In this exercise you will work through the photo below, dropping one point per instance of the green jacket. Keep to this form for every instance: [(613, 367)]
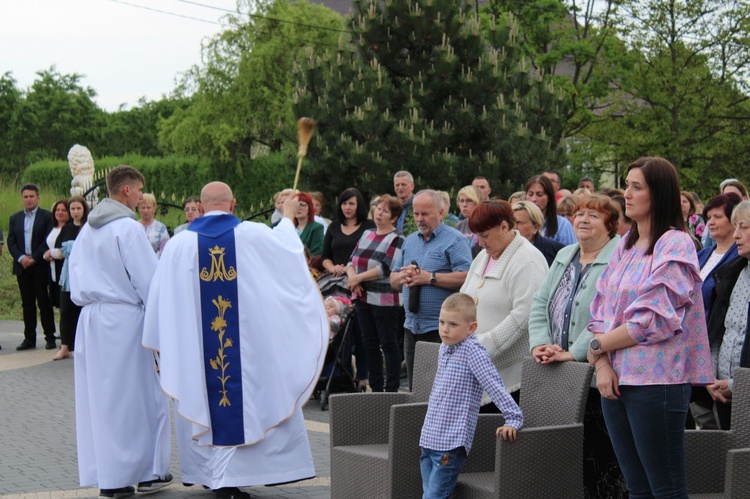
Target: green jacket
[(540, 329), (312, 237)]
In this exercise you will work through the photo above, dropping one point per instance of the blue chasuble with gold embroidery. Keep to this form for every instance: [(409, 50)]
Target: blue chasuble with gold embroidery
[(217, 260)]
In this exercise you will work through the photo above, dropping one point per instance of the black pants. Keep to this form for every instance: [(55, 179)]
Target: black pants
[(410, 341), (33, 283), (69, 313), (379, 327)]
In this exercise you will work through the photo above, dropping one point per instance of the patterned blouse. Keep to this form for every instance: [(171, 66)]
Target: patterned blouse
[(659, 297), (157, 235)]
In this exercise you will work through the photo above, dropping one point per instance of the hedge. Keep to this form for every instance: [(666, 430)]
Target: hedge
[(173, 178)]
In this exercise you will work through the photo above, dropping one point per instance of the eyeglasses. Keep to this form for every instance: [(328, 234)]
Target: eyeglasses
[(303, 205)]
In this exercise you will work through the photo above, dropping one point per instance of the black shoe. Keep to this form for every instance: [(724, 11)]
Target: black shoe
[(26, 345), (114, 493), (157, 484), (231, 493), (51, 345)]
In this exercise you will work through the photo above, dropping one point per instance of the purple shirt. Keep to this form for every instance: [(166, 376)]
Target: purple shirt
[(464, 370), (659, 298)]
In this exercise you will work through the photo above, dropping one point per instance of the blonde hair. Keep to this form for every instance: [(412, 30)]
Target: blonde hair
[(446, 201), (569, 203), (461, 302), (148, 198), (741, 213), (517, 196), (535, 214), (472, 193)]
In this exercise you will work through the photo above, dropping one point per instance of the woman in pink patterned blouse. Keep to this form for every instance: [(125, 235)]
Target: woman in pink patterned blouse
[(650, 342)]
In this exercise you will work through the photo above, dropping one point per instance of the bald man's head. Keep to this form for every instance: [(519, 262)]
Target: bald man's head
[(217, 196)]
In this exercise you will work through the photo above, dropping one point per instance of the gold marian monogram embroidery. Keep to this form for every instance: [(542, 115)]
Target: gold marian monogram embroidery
[(219, 363), (218, 268)]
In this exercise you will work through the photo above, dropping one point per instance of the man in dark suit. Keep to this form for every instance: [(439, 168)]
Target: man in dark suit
[(26, 242)]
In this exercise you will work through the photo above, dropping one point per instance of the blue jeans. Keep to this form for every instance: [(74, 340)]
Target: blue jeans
[(380, 327), (647, 428), (440, 471)]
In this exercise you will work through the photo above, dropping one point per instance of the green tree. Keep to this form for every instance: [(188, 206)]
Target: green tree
[(576, 43), (419, 89), (241, 96), (55, 113), (136, 130), (686, 97), (10, 102)]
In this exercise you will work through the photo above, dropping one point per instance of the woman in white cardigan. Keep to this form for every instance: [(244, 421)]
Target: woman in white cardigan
[(502, 280)]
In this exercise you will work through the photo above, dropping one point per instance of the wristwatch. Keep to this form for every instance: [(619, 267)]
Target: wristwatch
[(595, 347), (433, 279)]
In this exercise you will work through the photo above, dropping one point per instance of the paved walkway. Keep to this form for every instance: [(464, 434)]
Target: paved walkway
[(37, 431)]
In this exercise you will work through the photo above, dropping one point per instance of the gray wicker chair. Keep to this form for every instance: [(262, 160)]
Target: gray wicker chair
[(375, 436), (718, 462), (547, 458)]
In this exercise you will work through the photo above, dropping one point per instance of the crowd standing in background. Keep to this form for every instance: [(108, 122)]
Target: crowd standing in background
[(623, 279)]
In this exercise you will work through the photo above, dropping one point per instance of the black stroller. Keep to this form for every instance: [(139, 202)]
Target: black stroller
[(337, 375)]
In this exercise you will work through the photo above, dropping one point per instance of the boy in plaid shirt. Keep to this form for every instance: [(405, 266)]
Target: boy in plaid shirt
[(464, 370)]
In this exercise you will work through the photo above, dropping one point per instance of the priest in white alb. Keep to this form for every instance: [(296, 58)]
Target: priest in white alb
[(122, 417), (242, 334)]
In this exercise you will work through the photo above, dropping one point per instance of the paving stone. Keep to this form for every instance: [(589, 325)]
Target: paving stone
[(38, 431)]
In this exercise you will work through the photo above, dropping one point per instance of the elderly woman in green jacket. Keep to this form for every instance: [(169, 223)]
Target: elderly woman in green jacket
[(559, 315)]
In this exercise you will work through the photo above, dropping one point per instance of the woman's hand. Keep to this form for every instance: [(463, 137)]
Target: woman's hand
[(338, 270), (546, 354), (48, 255), (353, 280), (720, 391), (607, 382), (591, 357)]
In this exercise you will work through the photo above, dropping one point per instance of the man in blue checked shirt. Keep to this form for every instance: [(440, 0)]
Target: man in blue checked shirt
[(464, 370), (432, 266)]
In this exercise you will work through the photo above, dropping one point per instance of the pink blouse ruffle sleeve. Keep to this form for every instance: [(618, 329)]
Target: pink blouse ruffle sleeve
[(659, 299)]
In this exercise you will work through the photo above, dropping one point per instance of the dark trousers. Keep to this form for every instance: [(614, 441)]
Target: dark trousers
[(69, 313), (724, 412), (379, 327), (410, 341), (360, 352), (647, 428), (33, 283)]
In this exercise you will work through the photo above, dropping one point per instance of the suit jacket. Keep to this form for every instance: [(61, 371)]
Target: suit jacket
[(16, 244)]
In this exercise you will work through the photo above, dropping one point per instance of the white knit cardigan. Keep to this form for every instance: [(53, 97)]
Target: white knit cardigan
[(503, 303)]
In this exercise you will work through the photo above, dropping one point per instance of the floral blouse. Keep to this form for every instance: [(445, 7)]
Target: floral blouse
[(157, 235), (659, 297)]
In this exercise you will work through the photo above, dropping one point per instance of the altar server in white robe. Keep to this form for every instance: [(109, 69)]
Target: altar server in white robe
[(122, 416), (242, 334)]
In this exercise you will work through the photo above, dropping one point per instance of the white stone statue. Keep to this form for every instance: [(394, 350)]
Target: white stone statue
[(82, 168)]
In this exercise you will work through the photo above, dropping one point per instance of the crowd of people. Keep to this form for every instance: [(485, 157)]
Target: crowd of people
[(646, 284)]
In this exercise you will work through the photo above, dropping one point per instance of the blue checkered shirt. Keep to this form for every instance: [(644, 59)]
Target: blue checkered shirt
[(446, 251), (464, 370)]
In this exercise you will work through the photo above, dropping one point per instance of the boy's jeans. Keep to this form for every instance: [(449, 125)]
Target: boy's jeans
[(440, 471)]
